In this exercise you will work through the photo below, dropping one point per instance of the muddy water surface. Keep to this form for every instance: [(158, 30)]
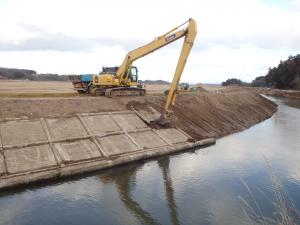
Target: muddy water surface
[(207, 186)]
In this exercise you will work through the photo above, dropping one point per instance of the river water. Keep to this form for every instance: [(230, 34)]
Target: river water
[(228, 183)]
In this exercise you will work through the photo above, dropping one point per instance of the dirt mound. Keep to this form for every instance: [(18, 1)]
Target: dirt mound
[(215, 114), (211, 114)]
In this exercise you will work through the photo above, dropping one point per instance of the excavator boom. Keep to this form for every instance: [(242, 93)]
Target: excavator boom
[(189, 33), (123, 80)]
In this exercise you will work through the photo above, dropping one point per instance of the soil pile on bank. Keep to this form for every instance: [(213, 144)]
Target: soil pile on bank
[(216, 114), (210, 114)]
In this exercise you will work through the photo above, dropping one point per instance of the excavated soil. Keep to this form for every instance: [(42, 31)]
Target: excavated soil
[(208, 114)]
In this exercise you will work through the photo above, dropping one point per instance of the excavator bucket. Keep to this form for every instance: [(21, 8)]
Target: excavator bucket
[(151, 116), (163, 120)]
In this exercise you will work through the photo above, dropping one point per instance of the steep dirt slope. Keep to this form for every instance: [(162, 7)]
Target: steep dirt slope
[(215, 114)]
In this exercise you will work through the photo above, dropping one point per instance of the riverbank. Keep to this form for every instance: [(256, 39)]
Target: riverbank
[(47, 138), (208, 114), (282, 93)]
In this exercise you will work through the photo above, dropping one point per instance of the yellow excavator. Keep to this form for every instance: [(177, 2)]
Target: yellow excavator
[(123, 80)]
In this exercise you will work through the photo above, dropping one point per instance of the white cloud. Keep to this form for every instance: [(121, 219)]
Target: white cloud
[(240, 38)]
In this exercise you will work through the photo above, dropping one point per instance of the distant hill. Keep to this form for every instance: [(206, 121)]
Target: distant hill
[(24, 74), (156, 82), (16, 74), (285, 76)]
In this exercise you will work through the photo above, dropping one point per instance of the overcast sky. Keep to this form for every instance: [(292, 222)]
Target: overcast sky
[(235, 38)]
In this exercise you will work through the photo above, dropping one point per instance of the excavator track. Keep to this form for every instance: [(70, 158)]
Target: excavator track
[(124, 91)]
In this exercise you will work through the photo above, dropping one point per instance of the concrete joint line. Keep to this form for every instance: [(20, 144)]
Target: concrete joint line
[(125, 131), (112, 118), (8, 147), (46, 129), (4, 163), (109, 134), (100, 147), (14, 119), (92, 114), (56, 154), (134, 142), (105, 113), (72, 139), (83, 124), (120, 112), (162, 138), (139, 130), (92, 137)]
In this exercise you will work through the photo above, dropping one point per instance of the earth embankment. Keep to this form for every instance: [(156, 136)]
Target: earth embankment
[(209, 114)]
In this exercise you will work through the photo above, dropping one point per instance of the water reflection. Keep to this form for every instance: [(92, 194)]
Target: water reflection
[(164, 165), (125, 183)]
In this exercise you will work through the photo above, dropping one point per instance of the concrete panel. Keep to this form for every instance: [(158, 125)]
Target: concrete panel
[(64, 128), (2, 167), (100, 124), (22, 132), (29, 158), (172, 135), (129, 121), (148, 114), (77, 150), (117, 144), (147, 139)]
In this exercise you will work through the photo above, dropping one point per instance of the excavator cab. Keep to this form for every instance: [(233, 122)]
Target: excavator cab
[(133, 74), (184, 86)]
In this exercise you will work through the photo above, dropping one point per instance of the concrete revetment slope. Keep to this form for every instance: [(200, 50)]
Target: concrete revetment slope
[(47, 148)]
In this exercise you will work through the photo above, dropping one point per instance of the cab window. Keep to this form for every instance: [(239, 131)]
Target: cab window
[(133, 74)]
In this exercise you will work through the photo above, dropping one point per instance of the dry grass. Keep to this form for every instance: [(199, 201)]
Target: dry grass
[(285, 209)]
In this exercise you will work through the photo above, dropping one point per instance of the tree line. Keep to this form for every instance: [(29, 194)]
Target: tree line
[(285, 76), (24, 74)]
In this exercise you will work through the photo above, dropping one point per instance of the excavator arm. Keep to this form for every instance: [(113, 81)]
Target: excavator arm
[(188, 32), (190, 36)]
